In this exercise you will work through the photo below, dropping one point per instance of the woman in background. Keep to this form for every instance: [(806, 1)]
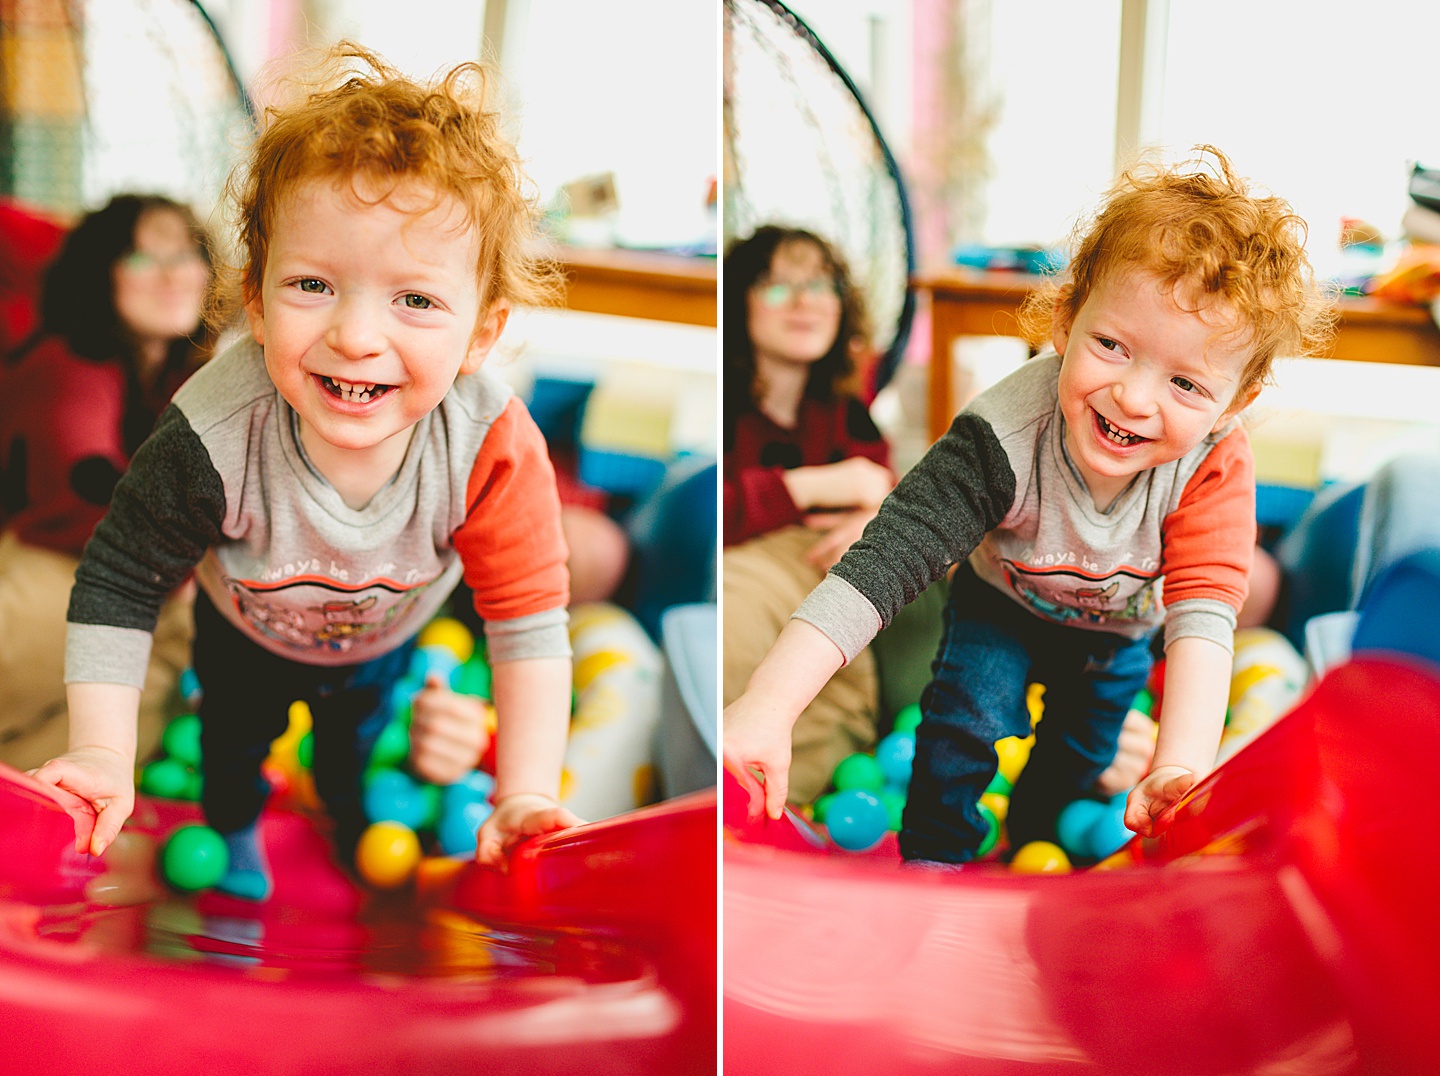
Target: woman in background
[(804, 471), (120, 327)]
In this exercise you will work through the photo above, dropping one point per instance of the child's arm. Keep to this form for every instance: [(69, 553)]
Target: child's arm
[(1197, 685), (758, 723), (532, 706), (99, 765)]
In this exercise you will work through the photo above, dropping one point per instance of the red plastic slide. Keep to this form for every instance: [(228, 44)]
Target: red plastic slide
[(1288, 922), (596, 953)]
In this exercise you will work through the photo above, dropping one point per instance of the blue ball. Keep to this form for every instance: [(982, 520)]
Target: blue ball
[(189, 686), (475, 787), (403, 693), (393, 796), (856, 820), (458, 828), (1108, 834), (438, 661), (896, 755), (1073, 825)]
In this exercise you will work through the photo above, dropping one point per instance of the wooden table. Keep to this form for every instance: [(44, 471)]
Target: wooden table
[(969, 302), (640, 284)]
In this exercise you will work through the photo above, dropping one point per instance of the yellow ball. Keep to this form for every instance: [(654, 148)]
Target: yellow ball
[(387, 855), (1040, 857), (1013, 753), (999, 805), (450, 633)]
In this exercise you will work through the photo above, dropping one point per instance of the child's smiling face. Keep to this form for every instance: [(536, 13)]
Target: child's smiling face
[(368, 312), (1143, 381)]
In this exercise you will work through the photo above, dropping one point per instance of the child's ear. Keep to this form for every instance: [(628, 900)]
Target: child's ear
[(1060, 319), (1243, 399), (488, 332), (255, 315)]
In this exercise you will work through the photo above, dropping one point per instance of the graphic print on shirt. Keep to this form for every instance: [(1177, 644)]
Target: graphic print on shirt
[(1068, 593), (315, 613)]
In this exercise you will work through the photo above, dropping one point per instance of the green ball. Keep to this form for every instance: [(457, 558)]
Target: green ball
[(908, 719), (305, 750), (860, 772), (894, 801), (822, 807), (433, 799), (182, 739), (195, 857), (1000, 784), (194, 786), (472, 678), (1144, 702), (167, 778), (991, 837), (392, 747)]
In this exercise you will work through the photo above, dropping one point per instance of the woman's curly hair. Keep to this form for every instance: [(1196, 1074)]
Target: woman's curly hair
[(1201, 231), (746, 263)]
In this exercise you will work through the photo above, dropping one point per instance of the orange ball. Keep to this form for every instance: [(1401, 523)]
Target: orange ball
[(387, 854)]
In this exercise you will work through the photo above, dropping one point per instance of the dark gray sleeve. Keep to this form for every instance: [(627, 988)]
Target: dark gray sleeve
[(166, 512), (936, 515)]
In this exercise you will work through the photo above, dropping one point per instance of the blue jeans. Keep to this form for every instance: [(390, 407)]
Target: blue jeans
[(991, 650), (246, 704)]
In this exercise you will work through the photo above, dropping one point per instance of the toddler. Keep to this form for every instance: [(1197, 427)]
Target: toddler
[(330, 478), (1102, 491)]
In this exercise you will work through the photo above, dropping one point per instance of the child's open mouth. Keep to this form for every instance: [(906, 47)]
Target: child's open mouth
[(1116, 435), (354, 391)]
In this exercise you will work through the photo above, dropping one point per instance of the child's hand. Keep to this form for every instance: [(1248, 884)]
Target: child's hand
[(841, 531), (757, 738), (447, 733), (517, 816), (1163, 787), (102, 777)]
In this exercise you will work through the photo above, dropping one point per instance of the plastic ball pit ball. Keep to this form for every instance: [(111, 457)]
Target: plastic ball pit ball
[(894, 801), (387, 854), (392, 746), (856, 820), (182, 739), (908, 719), (167, 778), (450, 633), (895, 755), (859, 771), (992, 834), (1073, 826), (1040, 857), (194, 857), (394, 796), (1109, 833), (459, 827)]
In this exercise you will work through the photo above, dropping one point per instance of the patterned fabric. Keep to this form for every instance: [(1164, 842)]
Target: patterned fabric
[(758, 453)]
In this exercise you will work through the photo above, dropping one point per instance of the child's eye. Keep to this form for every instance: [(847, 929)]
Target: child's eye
[(310, 286), (1184, 384), (1107, 343), (417, 302)]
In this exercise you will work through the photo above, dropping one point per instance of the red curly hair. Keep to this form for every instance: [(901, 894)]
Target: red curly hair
[(1203, 233), (358, 118)]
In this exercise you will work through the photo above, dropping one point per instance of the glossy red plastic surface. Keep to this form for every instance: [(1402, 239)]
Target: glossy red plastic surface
[(1286, 923), (596, 954)]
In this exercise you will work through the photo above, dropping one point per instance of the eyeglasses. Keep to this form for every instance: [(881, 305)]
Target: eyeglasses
[(140, 261), (780, 292)]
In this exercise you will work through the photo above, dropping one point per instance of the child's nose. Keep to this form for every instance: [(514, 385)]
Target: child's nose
[(354, 332), (1135, 394)]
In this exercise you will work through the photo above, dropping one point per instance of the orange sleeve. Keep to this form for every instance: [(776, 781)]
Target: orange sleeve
[(1209, 539), (510, 542)]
